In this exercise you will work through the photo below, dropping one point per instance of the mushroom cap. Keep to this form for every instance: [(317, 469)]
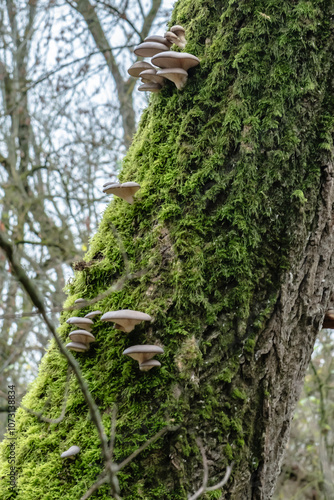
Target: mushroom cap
[(93, 314), (84, 323), (329, 319), (150, 87), (82, 336), (178, 30), (149, 49), (126, 318), (80, 301), (158, 39), (124, 191), (77, 346), (150, 75), (148, 365), (173, 59), (178, 76), (171, 37), (143, 353), (138, 67), (71, 452)]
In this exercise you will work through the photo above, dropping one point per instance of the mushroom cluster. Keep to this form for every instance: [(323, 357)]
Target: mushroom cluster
[(81, 338), (174, 65)]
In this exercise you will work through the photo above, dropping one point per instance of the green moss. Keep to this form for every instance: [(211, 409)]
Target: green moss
[(225, 167)]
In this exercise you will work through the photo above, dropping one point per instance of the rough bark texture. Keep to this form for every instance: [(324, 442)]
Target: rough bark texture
[(232, 229)]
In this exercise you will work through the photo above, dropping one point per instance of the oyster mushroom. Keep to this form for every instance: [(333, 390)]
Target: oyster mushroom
[(143, 353), (124, 191), (180, 32), (71, 452), (80, 301), (77, 346), (150, 87), (150, 75), (148, 365), (178, 76), (93, 314), (125, 319), (138, 67), (84, 323), (149, 49), (82, 336), (158, 39), (175, 60)]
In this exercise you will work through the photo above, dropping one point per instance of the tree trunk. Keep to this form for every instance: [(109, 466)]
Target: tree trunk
[(232, 232)]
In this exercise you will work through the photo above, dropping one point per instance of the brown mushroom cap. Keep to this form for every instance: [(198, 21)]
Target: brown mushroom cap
[(158, 39), (126, 318), (82, 336), (150, 87), (329, 319), (148, 365), (93, 314), (77, 346), (175, 60), (149, 49), (143, 353), (178, 76), (84, 323), (138, 67), (124, 191), (71, 452), (150, 75)]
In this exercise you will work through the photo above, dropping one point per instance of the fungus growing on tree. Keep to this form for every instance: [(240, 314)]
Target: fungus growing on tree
[(138, 67), (148, 365), (84, 323), (143, 353), (124, 191), (329, 319), (82, 336), (150, 87), (150, 75), (126, 319), (158, 39), (178, 76), (77, 346), (93, 314), (175, 66), (80, 301), (71, 452), (179, 32), (149, 49)]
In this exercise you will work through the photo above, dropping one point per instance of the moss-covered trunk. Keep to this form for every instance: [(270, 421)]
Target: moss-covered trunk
[(232, 230)]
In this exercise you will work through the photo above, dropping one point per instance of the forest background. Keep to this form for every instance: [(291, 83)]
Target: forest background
[(68, 111)]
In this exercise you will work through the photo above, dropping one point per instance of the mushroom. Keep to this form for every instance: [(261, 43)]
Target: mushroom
[(82, 336), (150, 75), (329, 319), (126, 319), (138, 67), (175, 60), (77, 346), (150, 87), (71, 452), (84, 323), (93, 314), (178, 76), (180, 33), (143, 353), (148, 365), (79, 301), (149, 49), (158, 39), (172, 37), (124, 191)]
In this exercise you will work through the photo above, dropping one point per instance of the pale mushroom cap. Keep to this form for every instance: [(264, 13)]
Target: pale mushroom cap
[(178, 76), (329, 314), (148, 365), (124, 191), (138, 67), (178, 30), (71, 452), (175, 60), (126, 318), (143, 353), (171, 37), (93, 314), (82, 336), (149, 49), (150, 75), (84, 323), (150, 87), (77, 346), (79, 301), (158, 39)]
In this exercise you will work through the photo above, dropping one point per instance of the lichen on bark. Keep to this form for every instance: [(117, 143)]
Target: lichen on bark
[(236, 181)]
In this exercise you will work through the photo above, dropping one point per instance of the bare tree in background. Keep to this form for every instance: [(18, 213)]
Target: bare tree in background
[(67, 115)]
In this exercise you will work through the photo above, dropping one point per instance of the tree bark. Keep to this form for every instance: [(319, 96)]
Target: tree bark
[(232, 230)]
